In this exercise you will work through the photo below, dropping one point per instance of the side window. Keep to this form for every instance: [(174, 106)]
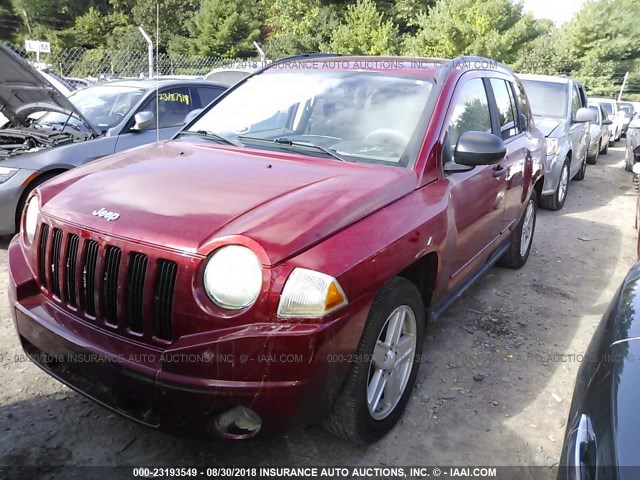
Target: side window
[(174, 103), (523, 104), (208, 95), (470, 112), (506, 108), (575, 101)]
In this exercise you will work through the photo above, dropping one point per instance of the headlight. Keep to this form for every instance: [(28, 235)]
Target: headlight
[(31, 218), (552, 146), (233, 277), (310, 294), (6, 173)]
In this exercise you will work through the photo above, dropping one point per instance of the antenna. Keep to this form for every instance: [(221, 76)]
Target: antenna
[(157, 71)]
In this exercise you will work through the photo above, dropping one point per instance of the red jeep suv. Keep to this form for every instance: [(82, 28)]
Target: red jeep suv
[(276, 263)]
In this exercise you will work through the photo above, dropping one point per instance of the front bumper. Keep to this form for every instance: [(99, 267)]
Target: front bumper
[(552, 174), (10, 193), (300, 366)]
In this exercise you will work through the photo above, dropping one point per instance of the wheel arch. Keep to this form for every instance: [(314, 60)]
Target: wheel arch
[(423, 274), (34, 181)]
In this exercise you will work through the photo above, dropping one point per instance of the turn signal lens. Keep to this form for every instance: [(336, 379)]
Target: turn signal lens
[(308, 293)]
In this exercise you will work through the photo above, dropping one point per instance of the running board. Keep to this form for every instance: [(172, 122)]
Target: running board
[(457, 293)]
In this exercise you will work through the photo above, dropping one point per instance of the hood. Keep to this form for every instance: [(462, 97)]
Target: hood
[(183, 194), (23, 91), (546, 124)]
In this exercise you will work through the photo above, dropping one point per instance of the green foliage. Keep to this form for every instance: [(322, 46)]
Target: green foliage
[(493, 28), (173, 19), (604, 40), (365, 31), (224, 28), (598, 46), (295, 26)]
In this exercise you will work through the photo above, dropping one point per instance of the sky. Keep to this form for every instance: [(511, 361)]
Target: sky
[(559, 11)]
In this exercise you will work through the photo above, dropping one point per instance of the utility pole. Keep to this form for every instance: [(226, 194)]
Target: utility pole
[(26, 20), (624, 84), (150, 46)]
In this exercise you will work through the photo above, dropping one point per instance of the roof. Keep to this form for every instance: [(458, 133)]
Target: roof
[(545, 78), (423, 66), (152, 83)]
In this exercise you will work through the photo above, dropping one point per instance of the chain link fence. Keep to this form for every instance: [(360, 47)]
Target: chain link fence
[(103, 63)]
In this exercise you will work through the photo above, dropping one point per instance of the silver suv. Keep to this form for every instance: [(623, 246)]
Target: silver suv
[(559, 109)]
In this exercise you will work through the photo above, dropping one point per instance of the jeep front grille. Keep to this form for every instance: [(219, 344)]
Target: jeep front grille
[(124, 291)]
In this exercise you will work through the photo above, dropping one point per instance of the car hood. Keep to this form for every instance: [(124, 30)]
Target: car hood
[(546, 124), (23, 91), (183, 195)]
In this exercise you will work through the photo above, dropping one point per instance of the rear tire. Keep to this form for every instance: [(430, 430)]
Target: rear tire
[(522, 238), (362, 413), (556, 201)]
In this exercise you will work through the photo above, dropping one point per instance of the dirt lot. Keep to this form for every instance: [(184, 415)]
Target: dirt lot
[(493, 388)]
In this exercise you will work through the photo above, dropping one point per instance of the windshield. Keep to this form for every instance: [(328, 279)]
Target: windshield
[(104, 106), (548, 99), (360, 116)]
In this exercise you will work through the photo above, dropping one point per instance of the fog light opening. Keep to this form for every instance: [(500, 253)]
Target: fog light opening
[(237, 423)]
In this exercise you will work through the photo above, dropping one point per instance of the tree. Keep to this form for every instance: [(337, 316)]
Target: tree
[(493, 28), (224, 28), (173, 19), (604, 39), (299, 26), (546, 55), (365, 31)]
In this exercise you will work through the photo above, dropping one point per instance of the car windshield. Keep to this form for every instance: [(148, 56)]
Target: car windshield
[(547, 99), (104, 106), (627, 110), (356, 116)]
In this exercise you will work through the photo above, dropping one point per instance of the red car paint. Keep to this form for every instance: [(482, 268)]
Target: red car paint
[(179, 201)]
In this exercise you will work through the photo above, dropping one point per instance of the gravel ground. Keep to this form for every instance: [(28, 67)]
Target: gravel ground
[(493, 388)]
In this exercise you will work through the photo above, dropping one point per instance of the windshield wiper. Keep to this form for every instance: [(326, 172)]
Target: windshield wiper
[(285, 142), (209, 136)]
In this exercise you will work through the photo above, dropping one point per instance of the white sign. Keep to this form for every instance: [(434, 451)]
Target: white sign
[(37, 46)]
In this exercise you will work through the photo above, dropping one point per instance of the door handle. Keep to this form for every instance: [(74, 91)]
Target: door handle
[(499, 171)]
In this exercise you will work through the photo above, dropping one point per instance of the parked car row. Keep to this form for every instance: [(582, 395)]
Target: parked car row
[(322, 215)]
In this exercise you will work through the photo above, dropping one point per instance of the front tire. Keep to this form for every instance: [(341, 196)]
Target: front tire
[(522, 239), (582, 172), (606, 148), (383, 374), (556, 201)]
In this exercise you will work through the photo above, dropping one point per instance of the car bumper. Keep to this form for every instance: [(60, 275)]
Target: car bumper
[(594, 147), (10, 193), (168, 389), (552, 174)]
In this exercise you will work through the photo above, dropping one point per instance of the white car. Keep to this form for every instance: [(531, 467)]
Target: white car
[(613, 113)]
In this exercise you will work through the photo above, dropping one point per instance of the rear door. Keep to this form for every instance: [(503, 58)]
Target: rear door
[(477, 197), (512, 128)]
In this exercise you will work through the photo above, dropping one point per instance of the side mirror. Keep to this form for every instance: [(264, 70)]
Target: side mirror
[(607, 122), (479, 148), (191, 115), (636, 151), (583, 115), (143, 120)]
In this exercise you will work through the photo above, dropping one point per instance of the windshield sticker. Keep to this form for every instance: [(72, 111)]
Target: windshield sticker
[(175, 97)]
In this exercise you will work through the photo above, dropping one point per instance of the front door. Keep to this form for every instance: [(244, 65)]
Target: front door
[(478, 196)]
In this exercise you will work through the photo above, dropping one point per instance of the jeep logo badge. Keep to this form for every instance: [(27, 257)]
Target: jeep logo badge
[(106, 214)]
